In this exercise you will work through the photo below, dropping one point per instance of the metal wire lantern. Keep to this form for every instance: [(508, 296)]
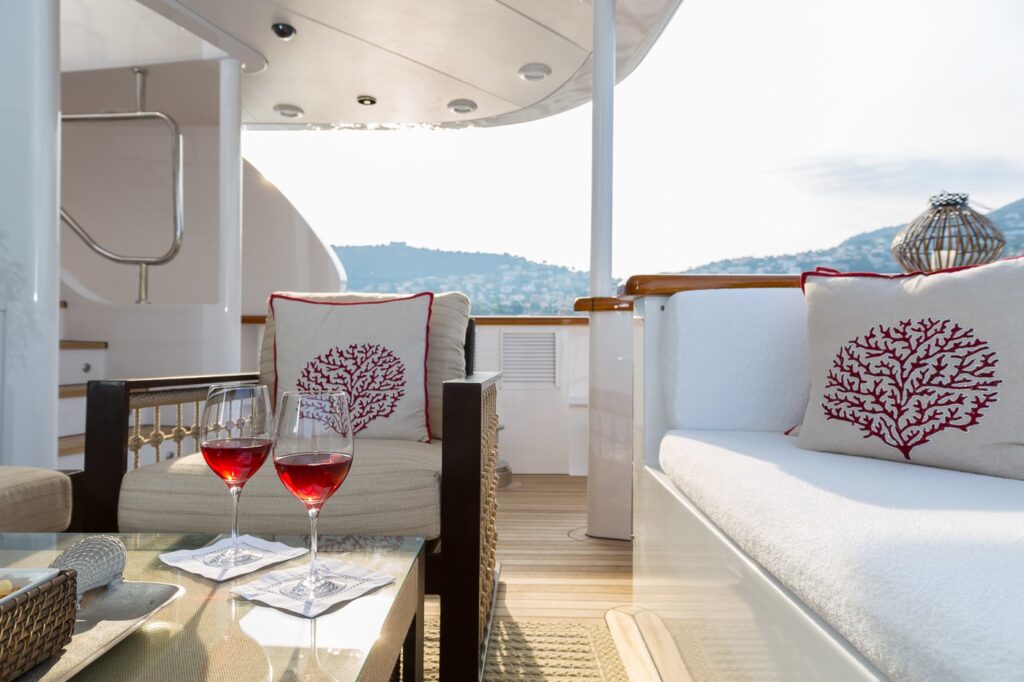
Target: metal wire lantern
[(949, 234)]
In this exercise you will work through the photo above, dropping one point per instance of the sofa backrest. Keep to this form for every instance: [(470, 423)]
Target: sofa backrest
[(735, 359)]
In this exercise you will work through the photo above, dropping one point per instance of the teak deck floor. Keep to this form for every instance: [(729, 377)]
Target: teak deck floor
[(550, 570)]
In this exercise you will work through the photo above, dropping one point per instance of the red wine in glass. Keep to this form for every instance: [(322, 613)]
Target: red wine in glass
[(236, 434), (313, 476), (313, 449), (235, 460)]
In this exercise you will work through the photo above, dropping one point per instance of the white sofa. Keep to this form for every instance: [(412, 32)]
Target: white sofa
[(765, 561)]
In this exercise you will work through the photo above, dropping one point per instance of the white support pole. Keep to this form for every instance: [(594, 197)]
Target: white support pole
[(230, 159), (609, 458), (29, 232), (601, 283)]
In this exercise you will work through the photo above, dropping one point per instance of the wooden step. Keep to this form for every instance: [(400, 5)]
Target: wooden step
[(72, 391), (71, 445), (83, 345)]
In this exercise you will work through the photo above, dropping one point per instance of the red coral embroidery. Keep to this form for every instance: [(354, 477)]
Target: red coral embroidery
[(371, 374), (905, 383)]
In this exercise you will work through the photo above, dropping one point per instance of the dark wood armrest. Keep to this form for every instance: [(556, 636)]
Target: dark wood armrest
[(666, 285), (468, 506), (107, 411)]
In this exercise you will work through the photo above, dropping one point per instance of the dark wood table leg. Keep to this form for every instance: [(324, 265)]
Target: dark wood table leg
[(412, 650)]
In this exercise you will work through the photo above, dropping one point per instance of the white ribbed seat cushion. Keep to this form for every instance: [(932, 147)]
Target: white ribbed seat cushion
[(394, 488), (34, 500)]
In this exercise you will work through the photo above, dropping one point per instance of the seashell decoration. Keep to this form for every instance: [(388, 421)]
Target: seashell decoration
[(99, 561)]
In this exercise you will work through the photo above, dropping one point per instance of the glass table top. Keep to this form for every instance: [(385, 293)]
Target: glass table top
[(212, 634)]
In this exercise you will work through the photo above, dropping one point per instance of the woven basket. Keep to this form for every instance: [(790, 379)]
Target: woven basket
[(36, 625)]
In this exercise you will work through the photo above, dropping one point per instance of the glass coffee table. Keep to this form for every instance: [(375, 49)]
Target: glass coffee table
[(207, 633)]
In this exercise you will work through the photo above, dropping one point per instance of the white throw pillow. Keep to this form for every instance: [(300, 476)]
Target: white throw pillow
[(925, 368), (374, 351), (446, 341)]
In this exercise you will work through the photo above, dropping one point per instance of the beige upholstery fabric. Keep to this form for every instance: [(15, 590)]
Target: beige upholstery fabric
[(394, 488), (446, 356), (34, 500)]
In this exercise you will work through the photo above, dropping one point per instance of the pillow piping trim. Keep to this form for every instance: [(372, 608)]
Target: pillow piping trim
[(426, 352), (829, 272)]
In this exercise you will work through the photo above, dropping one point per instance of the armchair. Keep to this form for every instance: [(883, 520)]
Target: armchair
[(460, 488)]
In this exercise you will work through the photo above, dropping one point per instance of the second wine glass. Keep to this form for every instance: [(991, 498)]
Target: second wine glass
[(313, 450)]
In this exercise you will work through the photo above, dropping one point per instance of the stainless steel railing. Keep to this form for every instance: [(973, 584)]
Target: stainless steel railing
[(139, 114)]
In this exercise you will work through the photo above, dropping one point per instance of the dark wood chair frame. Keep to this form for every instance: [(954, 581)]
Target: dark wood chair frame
[(452, 572)]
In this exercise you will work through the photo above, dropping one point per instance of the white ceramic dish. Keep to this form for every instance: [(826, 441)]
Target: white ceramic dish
[(25, 579)]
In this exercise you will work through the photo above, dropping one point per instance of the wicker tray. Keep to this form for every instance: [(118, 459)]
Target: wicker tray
[(36, 625)]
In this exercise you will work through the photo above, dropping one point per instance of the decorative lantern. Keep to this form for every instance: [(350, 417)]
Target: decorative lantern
[(947, 235)]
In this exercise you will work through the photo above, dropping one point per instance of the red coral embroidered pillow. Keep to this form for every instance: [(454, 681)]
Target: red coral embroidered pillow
[(921, 368), (374, 351)]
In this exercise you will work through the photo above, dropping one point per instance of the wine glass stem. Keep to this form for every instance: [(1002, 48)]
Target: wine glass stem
[(236, 492), (313, 514)]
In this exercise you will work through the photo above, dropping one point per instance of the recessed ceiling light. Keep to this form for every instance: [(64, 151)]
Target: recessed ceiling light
[(366, 100), (462, 106), (283, 31), (534, 71), (289, 110)]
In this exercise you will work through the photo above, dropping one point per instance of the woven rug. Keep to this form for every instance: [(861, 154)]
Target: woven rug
[(533, 651)]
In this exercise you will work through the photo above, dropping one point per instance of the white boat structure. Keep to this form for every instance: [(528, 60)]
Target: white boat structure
[(137, 242)]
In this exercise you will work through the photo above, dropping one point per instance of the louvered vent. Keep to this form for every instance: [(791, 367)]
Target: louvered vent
[(529, 358)]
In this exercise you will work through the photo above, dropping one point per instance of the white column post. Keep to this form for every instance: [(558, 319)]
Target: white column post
[(230, 159), (29, 232), (609, 458), (601, 283)]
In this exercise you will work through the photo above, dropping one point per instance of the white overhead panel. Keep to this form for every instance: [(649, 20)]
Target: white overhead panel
[(449, 63), (105, 34)]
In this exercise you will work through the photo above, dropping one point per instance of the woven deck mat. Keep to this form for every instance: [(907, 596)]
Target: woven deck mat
[(528, 651)]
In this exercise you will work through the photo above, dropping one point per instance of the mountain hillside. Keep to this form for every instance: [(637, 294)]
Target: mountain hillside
[(496, 283), (865, 252)]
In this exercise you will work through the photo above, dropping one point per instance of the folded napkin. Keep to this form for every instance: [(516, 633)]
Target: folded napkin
[(191, 560), (357, 582)]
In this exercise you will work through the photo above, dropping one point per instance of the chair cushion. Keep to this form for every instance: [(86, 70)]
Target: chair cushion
[(920, 368), (34, 500), (394, 488), (446, 355)]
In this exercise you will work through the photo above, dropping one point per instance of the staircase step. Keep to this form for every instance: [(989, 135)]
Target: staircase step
[(83, 345), (72, 391), (71, 445)]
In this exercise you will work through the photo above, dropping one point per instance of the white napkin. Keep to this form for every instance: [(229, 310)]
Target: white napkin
[(358, 581), (191, 560)]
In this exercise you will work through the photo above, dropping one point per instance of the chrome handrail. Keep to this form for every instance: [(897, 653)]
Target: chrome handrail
[(177, 191)]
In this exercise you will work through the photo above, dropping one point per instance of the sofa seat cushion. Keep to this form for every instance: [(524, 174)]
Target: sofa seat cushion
[(919, 568), (393, 488), (34, 500)]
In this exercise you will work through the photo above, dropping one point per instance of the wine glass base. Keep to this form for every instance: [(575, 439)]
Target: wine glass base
[(300, 588), (231, 557)]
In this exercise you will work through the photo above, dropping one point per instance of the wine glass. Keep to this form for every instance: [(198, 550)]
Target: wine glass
[(313, 449), (236, 435)]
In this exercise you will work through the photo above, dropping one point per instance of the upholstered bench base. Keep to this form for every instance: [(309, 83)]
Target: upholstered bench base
[(34, 500), (394, 488)]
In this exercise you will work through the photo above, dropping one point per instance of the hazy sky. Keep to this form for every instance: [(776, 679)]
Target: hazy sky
[(751, 128)]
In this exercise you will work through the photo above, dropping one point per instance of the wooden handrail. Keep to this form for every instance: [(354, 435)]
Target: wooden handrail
[(664, 285), (602, 304)]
